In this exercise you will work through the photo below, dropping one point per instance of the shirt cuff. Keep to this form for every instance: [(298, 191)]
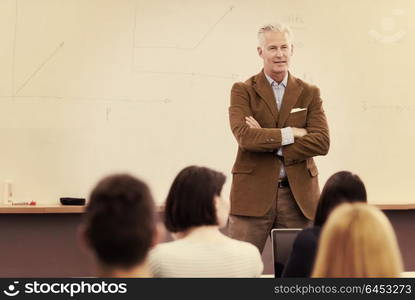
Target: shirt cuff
[(287, 136)]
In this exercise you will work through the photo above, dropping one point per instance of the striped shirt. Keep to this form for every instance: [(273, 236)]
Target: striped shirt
[(192, 257), (286, 133)]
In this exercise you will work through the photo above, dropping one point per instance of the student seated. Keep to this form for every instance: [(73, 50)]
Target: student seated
[(194, 211), (340, 187), (119, 226), (358, 241)]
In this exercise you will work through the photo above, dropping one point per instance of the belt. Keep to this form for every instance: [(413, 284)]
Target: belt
[(283, 183)]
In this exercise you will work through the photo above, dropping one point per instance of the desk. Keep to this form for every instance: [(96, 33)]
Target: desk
[(36, 209), (402, 217), (395, 206), (41, 241)]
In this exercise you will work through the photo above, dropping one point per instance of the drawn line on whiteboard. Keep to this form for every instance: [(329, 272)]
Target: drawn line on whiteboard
[(208, 32), (95, 99), (40, 67), (134, 33), (213, 27), (107, 113), (29, 97), (398, 108), (230, 76), (132, 100), (14, 50)]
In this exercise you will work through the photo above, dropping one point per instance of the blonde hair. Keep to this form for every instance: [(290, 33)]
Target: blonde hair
[(357, 241)]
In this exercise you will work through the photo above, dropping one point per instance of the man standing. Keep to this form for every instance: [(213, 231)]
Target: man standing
[(279, 124)]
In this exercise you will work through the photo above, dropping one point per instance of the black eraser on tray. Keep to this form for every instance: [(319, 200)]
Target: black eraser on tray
[(72, 201)]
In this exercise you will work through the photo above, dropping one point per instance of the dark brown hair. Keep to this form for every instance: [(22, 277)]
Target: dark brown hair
[(340, 187), (120, 221), (190, 201)]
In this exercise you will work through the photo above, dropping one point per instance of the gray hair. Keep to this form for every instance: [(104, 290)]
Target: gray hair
[(273, 27)]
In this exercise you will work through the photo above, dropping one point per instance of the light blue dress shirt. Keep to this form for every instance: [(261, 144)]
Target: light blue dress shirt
[(287, 135)]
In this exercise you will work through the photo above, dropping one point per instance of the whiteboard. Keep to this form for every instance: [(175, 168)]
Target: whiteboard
[(95, 87)]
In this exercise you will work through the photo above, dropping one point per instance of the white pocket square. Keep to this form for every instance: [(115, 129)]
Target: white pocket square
[(297, 109)]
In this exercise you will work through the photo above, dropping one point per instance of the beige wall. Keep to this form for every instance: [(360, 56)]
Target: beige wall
[(93, 87)]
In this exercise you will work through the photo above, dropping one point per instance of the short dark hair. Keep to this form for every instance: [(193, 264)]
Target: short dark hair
[(120, 221), (340, 187), (190, 201)]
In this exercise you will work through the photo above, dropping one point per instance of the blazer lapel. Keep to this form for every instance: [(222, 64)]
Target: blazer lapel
[(291, 94), (264, 89)]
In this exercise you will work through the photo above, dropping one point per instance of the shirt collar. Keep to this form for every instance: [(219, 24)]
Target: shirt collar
[(272, 82)]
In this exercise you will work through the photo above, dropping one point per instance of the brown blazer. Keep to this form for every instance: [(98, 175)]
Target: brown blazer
[(256, 168)]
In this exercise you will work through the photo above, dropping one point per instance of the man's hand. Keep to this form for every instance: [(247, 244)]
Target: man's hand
[(299, 132), (251, 122)]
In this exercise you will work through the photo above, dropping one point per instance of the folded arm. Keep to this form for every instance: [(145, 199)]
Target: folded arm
[(250, 139), (316, 141), (247, 131)]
